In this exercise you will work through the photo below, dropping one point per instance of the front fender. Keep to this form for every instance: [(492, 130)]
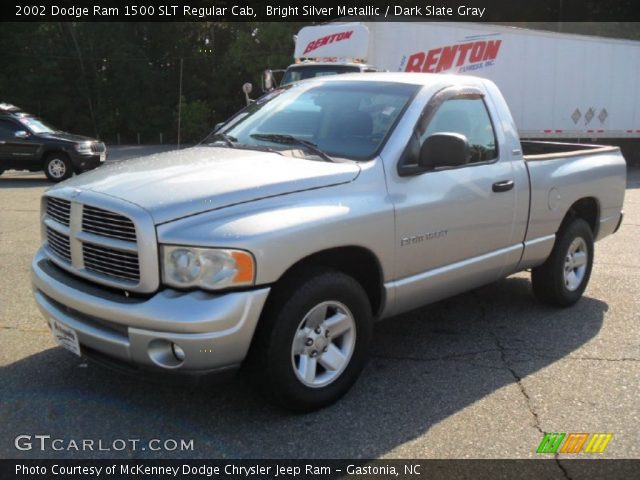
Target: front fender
[(281, 231)]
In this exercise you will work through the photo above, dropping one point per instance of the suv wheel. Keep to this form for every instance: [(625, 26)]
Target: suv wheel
[(562, 279), (312, 341), (57, 167)]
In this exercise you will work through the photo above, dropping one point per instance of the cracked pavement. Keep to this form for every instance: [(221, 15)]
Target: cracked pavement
[(480, 375)]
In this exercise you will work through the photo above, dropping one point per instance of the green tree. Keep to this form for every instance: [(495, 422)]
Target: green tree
[(118, 80), (195, 121)]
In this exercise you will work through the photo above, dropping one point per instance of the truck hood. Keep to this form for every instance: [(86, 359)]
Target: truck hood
[(177, 184)]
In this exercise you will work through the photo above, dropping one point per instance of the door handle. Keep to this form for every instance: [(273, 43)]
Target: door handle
[(2, 142), (503, 186)]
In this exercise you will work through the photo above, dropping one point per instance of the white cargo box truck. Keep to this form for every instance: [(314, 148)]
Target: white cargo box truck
[(559, 86)]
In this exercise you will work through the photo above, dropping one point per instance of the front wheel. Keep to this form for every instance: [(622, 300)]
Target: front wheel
[(57, 167), (562, 279), (312, 341)]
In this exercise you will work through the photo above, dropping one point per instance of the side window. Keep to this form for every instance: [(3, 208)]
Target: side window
[(7, 128), (470, 118)]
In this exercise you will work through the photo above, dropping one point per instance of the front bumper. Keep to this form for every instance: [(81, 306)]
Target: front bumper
[(213, 330), (84, 163)]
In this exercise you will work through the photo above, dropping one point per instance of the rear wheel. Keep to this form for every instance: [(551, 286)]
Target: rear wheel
[(57, 167), (562, 279), (312, 341)]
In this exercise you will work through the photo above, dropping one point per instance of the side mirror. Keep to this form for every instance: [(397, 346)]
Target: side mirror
[(267, 81), (218, 126), (444, 150), (247, 88), (21, 134)]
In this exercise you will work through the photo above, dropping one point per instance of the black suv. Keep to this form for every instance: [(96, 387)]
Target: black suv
[(28, 143)]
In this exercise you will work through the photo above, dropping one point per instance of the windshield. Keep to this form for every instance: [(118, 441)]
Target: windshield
[(295, 74), (36, 125), (347, 119)]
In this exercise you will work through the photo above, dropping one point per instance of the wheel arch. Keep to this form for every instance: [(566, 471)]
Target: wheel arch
[(586, 208), (356, 261)]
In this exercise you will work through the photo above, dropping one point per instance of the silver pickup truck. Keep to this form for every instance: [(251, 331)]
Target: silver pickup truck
[(276, 243)]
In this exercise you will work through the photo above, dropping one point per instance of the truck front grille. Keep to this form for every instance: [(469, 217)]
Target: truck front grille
[(59, 244), (59, 210), (113, 263), (98, 147), (107, 224), (100, 244)]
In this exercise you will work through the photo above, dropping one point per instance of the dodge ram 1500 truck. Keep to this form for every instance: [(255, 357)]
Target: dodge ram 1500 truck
[(278, 241)]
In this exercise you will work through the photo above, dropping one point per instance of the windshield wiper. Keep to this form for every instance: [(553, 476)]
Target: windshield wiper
[(231, 142), (228, 140), (291, 140)]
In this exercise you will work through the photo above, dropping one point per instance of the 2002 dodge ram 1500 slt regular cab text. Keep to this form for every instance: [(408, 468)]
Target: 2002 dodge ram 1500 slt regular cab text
[(334, 202)]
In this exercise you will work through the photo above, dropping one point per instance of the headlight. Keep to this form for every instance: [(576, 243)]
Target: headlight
[(207, 268), (84, 148)]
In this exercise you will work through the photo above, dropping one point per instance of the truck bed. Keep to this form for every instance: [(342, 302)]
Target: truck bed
[(540, 150), (561, 173)]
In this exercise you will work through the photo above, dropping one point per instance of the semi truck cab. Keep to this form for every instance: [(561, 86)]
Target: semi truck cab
[(311, 69), (323, 50)]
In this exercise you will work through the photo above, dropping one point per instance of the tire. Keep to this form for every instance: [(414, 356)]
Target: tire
[(57, 167), (302, 368), (563, 277)]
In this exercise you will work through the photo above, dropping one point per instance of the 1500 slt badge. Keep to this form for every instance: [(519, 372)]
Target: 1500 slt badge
[(413, 239)]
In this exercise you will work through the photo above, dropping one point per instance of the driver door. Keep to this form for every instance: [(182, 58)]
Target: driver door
[(454, 227)]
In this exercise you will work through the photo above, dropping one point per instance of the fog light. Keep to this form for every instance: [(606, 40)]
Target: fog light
[(165, 353), (177, 352)]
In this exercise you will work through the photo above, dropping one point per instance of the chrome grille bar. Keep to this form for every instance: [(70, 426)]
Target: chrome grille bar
[(107, 224), (59, 210), (105, 261), (98, 238), (59, 244), (98, 147)]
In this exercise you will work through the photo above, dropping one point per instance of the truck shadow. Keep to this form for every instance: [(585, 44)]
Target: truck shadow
[(426, 365)]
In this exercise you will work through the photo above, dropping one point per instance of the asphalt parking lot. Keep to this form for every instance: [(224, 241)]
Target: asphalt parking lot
[(481, 375)]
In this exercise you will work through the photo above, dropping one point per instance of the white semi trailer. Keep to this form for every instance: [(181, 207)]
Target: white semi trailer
[(559, 86)]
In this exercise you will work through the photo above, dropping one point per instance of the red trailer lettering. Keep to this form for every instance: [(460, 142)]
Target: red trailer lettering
[(462, 53), (336, 37), (447, 57), (444, 58), (491, 52), (414, 64), (477, 52), (432, 59)]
